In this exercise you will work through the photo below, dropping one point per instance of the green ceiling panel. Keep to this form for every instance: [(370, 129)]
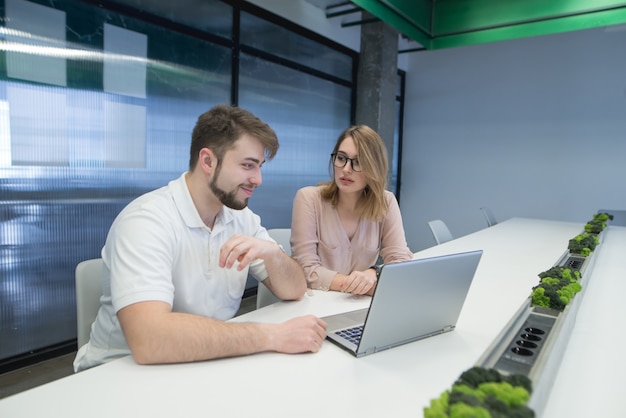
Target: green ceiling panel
[(564, 24), (452, 16), (417, 12), (392, 18), (437, 24)]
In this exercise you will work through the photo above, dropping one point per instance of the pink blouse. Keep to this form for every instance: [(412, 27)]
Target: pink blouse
[(322, 247)]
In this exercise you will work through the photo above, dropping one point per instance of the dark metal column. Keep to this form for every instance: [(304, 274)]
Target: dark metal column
[(377, 79)]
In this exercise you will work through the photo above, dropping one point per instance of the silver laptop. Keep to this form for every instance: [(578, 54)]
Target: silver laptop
[(413, 300)]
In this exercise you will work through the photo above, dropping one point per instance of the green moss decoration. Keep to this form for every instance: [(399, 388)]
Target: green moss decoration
[(557, 288), (583, 244), (484, 393), (598, 223)]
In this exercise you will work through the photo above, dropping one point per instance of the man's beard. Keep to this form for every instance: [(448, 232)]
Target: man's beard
[(228, 199)]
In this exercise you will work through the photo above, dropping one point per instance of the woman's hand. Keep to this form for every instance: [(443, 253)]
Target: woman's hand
[(359, 282)]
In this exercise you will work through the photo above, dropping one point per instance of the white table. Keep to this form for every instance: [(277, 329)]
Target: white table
[(394, 383), (591, 379)]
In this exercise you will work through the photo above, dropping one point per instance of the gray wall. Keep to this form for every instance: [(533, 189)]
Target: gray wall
[(531, 128)]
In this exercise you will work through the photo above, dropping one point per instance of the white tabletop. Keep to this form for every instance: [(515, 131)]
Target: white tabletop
[(394, 383), (591, 378)]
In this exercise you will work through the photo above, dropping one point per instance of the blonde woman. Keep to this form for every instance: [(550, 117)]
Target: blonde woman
[(341, 227)]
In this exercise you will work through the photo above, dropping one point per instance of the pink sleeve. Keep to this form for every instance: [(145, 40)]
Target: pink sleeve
[(305, 226)]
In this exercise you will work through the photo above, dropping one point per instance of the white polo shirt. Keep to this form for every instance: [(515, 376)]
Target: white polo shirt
[(158, 248)]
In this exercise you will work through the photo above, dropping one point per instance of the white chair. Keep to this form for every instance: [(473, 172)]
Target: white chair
[(88, 279), (491, 220), (440, 231), (264, 296)]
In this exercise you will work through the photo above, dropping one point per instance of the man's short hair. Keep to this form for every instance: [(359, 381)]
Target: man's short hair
[(220, 127)]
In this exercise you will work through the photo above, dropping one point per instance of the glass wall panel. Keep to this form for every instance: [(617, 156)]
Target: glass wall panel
[(74, 153), (212, 16), (277, 40), (97, 104), (308, 114)]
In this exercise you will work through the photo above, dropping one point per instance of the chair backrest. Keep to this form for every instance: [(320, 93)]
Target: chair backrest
[(440, 231), (88, 292), (282, 236), (491, 220)]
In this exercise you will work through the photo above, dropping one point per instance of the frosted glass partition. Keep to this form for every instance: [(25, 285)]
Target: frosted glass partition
[(73, 156), (136, 77)]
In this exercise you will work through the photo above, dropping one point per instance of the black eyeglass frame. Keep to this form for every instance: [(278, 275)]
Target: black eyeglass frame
[(334, 156)]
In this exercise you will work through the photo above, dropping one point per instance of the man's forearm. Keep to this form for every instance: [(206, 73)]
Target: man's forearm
[(156, 335), (287, 277), (169, 337)]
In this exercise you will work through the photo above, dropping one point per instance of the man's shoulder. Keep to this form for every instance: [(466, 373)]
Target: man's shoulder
[(155, 198), (163, 195), (156, 204)]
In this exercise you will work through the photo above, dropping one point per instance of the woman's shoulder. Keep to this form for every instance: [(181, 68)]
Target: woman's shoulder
[(309, 192), (389, 196)]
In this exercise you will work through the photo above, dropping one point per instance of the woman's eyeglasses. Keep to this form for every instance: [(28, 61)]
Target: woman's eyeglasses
[(340, 161)]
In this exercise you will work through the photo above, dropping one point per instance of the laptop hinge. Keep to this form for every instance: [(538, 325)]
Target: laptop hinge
[(448, 328), (370, 351)]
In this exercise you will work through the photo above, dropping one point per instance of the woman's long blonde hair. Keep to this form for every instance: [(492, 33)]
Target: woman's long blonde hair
[(372, 155)]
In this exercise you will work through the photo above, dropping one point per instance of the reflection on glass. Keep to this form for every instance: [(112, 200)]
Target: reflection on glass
[(36, 115), (212, 16), (270, 37), (46, 28), (124, 75)]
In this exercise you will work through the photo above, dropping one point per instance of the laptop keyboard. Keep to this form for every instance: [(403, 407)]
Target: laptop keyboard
[(351, 334)]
